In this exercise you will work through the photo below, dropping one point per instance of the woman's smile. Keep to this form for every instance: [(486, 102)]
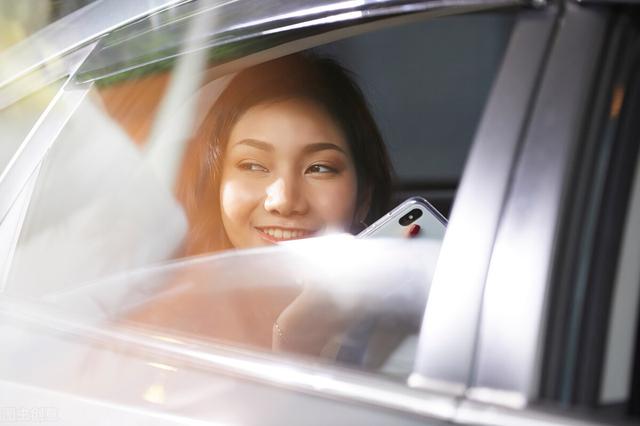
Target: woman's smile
[(276, 234)]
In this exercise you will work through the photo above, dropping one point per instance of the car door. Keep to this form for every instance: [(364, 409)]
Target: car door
[(247, 33), (568, 230)]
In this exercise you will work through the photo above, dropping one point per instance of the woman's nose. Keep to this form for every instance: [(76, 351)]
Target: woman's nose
[(284, 197)]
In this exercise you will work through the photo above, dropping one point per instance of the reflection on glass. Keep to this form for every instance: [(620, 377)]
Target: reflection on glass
[(20, 19), (87, 358), (155, 394), (18, 119), (98, 208), (104, 196), (163, 366), (362, 300)]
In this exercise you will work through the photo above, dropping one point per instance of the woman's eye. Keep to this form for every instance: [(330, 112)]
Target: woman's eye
[(252, 167), (320, 168)]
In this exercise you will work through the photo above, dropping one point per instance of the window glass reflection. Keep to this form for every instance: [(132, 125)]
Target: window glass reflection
[(17, 119), (18, 20)]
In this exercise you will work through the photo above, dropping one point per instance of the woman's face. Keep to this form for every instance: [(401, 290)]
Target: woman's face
[(287, 174)]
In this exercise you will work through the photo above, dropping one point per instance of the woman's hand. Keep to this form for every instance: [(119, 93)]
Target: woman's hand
[(317, 317), (311, 322)]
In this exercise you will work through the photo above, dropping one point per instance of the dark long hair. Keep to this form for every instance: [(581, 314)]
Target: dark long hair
[(302, 76)]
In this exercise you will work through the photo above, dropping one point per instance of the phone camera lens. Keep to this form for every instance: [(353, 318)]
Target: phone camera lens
[(410, 217)]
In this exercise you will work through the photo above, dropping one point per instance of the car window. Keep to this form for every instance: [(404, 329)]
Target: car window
[(114, 231), (171, 379), (355, 306)]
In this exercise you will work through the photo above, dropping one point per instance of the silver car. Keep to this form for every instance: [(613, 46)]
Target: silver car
[(517, 119)]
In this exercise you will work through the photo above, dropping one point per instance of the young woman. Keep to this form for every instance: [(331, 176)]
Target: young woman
[(289, 150)]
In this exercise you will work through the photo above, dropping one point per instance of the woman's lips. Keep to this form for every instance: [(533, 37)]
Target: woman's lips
[(277, 234)]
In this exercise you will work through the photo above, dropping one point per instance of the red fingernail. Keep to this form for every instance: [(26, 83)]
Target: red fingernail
[(414, 230)]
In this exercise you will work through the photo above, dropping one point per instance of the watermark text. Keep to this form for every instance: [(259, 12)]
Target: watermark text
[(10, 414)]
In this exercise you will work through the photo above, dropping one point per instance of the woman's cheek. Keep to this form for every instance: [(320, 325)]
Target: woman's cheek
[(238, 198), (336, 203)]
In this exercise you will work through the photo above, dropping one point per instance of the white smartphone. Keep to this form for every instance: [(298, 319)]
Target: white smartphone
[(401, 222)]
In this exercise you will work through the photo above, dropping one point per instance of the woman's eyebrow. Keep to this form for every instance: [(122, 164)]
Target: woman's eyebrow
[(321, 146), (264, 146)]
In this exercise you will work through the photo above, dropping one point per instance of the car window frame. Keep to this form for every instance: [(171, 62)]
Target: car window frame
[(478, 211), (531, 221)]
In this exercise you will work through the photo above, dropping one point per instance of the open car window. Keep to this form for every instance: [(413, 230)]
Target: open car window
[(108, 229)]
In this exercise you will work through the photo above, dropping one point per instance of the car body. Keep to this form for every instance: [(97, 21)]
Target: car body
[(531, 314)]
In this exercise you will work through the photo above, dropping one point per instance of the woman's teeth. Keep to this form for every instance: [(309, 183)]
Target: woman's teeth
[(284, 234)]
